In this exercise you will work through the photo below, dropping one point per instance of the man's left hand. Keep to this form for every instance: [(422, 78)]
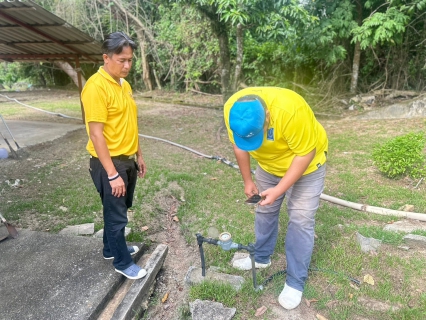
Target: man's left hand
[(142, 167), (269, 196)]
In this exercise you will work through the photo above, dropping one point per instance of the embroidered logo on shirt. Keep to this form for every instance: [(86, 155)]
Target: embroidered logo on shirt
[(270, 135)]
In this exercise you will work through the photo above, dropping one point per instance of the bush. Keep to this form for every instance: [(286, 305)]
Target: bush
[(402, 156)]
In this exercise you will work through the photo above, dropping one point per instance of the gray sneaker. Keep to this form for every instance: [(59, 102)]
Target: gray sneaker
[(132, 250), (133, 272)]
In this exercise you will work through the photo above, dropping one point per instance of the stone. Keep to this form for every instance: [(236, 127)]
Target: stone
[(415, 240), (368, 244), (405, 226), (78, 230), (209, 310), (194, 276), (100, 233)]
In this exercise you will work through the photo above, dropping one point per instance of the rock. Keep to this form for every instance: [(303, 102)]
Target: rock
[(209, 310), (415, 240), (368, 99), (405, 226), (100, 233), (77, 230), (194, 276), (368, 244)]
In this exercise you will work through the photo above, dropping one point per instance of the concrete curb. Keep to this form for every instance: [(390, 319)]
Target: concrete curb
[(131, 305)]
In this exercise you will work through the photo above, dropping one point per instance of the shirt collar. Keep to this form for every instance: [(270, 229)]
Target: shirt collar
[(107, 76)]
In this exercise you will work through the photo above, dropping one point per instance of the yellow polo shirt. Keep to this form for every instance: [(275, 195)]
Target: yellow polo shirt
[(105, 101), (293, 130)]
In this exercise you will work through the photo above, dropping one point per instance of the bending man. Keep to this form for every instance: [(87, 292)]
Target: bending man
[(278, 129)]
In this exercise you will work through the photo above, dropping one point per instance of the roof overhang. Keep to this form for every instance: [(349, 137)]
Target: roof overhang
[(29, 33)]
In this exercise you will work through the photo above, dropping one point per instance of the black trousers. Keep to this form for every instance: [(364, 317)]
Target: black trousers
[(115, 208)]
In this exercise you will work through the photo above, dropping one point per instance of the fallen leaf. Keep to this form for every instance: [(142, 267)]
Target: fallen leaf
[(175, 219), (308, 302), (165, 297), (260, 311), (320, 317), (350, 296), (144, 228), (369, 279), (214, 178)]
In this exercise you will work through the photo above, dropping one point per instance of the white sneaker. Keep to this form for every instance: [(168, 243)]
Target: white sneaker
[(290, 298), (245, 264)]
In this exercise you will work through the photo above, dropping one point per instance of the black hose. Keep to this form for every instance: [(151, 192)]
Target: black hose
[(282, 272)]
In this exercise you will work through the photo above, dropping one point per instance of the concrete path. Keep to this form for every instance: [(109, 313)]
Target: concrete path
[(52, 276), (28, 133), (45, 276)]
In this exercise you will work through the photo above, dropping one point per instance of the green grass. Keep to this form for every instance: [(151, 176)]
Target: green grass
[(210, 194)]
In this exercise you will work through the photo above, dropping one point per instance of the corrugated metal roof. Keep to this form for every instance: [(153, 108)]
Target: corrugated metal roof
[(30, 33)]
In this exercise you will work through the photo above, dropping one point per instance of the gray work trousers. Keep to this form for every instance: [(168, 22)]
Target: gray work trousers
[(302, 203)]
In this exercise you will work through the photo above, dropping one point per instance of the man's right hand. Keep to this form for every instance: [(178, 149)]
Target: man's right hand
[(118, 187), (250, 189)]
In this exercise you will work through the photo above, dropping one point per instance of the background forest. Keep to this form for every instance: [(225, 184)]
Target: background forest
[(326, 48)]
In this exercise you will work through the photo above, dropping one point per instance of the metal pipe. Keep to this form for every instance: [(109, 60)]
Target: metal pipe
[(227, 244)]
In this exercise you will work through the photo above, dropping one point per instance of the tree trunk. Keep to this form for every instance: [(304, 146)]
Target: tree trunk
[(357, 52), (69, 70), (145, 66), (355, 67), (239, 58), (225, 59), (221, 31)]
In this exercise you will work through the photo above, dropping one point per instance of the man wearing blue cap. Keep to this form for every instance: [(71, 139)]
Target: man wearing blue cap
[(279, 130)]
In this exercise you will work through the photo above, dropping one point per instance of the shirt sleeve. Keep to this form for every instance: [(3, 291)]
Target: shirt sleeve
[(94, 99)]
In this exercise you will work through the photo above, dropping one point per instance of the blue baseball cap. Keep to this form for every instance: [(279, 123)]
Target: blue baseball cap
[(246, 121)]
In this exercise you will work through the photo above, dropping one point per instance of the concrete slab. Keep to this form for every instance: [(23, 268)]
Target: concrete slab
[(47, 276), (28, 133), (194, 276), (207, 310)]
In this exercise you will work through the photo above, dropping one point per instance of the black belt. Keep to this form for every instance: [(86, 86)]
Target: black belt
[(121, 157)]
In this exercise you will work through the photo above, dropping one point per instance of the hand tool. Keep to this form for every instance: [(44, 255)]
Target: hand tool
[(10, 147), (4, 122)]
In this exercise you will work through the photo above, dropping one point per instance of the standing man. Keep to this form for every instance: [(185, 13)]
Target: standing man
[(115, 155), (278, 129)]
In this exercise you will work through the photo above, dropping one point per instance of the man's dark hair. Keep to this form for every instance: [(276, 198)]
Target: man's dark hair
[(115, 42)]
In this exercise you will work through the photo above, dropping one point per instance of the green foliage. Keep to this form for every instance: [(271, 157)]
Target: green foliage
[(401, 156), (8, 73), (19, 75), (381, 28), (191, 52)]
